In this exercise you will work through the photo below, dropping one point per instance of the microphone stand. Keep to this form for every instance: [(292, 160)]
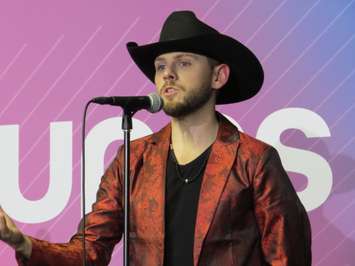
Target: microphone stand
[(126, 127), (152, 103)]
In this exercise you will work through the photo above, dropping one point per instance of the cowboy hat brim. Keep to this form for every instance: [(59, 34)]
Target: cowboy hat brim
[(246, 75)]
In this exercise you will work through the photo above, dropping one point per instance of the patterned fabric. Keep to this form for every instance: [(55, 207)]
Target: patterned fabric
[(248, 211)]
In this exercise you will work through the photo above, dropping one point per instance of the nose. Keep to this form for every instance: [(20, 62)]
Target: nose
[(169, 73)]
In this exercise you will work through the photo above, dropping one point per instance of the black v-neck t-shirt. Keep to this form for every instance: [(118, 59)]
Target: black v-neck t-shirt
[(181, 201)]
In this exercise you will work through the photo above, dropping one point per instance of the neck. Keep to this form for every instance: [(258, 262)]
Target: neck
[(194, 133)]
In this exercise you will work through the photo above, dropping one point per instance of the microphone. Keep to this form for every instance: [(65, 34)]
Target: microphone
[(152, 102)]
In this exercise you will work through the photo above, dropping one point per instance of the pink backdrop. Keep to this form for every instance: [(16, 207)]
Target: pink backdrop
[(55, 56)]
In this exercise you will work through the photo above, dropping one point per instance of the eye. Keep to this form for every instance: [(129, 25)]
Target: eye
[(184, 63), (159, 67)]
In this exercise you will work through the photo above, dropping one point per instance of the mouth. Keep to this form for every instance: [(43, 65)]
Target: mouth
[(169, 91)]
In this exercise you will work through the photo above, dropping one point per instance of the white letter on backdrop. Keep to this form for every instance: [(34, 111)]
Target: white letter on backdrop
[(308, 163), (60, 182)]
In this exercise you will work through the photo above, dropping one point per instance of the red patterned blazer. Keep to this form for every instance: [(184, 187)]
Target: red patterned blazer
[(248, 211)]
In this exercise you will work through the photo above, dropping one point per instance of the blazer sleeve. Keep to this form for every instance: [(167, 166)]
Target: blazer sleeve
[(282, 220), (103, 230)]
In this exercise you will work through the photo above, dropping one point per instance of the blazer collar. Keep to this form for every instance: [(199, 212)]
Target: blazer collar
[(216, 175), (227, 132)]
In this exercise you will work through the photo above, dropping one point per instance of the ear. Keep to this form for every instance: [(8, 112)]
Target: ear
[(220, 76)]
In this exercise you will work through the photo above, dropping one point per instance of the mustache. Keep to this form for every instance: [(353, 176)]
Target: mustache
[(171, 84)]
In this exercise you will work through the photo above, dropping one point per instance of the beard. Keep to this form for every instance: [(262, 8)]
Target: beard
[(192, 101)]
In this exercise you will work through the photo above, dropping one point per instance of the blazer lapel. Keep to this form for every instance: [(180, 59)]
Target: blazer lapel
[(150, 191), (215, 177)]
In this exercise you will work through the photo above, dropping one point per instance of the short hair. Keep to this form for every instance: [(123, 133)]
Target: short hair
[(213, 62)]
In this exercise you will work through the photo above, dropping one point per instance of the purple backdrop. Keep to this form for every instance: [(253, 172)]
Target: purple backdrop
[(55, 56)]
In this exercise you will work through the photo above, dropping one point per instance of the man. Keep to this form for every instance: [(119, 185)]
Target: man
[(202, 193)]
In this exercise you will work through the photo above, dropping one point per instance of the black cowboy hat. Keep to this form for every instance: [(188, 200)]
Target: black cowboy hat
[(184, 32)]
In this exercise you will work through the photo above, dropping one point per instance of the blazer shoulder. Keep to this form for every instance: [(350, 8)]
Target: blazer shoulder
[(253, 147), (137, 148), (142, 140), (139, 145)]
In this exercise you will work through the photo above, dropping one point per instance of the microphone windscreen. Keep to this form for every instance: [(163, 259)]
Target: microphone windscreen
[(156, 102)]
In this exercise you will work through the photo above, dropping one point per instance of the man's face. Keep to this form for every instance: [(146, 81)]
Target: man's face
[(183, 80)]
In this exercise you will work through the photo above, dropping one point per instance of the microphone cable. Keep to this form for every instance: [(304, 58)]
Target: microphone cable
[(83, 182)]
